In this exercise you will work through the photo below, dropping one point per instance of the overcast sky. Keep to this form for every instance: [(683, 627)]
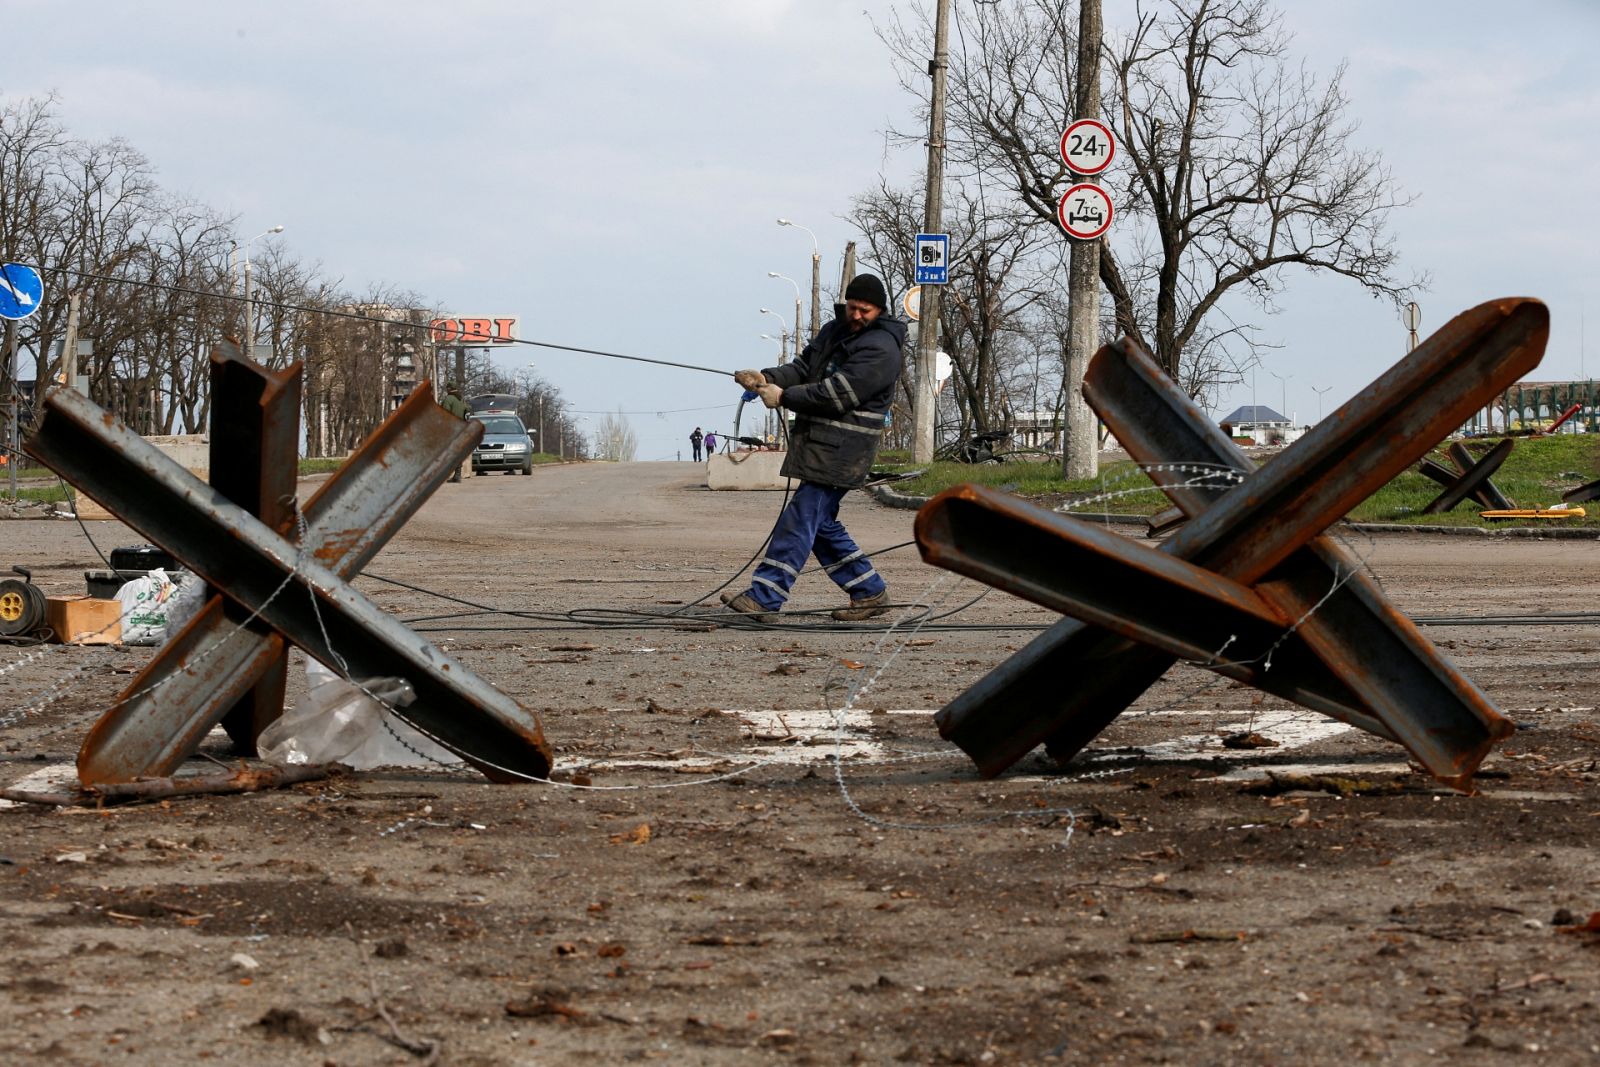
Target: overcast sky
[(610, 172)]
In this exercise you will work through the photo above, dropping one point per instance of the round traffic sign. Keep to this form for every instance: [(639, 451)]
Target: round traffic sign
[(1085, 211), (21, 291), (912, 302), (1087, 146), (1413, 316)]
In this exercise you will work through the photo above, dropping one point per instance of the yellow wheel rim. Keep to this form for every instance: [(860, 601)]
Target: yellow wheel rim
[(11, 606)]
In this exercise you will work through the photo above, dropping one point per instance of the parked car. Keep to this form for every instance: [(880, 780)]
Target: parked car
[(506, 445), (485, 402)]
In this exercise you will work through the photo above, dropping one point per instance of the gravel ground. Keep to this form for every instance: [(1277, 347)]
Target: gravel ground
[(727, 871)]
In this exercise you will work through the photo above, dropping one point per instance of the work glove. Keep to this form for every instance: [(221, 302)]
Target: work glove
[(749, 378), (771, 395)]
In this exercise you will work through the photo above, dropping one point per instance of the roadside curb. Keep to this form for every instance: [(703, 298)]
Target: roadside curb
[(891, 499)]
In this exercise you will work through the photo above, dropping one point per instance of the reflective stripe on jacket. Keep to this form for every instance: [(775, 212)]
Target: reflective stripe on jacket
[(840, 389)]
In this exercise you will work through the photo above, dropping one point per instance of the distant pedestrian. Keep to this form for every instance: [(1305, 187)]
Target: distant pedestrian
[(711, 443), (453, 403), (695, 440)]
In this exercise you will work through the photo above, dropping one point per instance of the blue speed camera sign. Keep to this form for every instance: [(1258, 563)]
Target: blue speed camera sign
[(933, 259), (21, 290)]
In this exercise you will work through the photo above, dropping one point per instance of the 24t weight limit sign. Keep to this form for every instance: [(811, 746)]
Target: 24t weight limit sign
[(1088, 147)]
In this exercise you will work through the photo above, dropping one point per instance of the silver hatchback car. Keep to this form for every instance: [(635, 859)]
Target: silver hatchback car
[(506, 445)]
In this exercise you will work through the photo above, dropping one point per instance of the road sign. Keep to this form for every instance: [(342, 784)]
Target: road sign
[(1085, 211), (933, 259), (1087, 146), (21, 291), (912, 303)]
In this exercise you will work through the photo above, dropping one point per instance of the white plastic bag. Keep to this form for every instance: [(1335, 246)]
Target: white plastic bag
[(144, 608), (185, 604), (339, 723)]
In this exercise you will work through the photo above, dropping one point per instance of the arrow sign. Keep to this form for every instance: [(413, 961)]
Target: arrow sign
[(21, 289)]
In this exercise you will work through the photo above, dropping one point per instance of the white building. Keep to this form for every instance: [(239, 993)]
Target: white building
[(1262, 425)]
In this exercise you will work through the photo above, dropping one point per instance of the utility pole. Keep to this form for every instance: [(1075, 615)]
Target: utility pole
[(69, 343), (816, 290), (1080, 454), (12, 439), (924, 400)]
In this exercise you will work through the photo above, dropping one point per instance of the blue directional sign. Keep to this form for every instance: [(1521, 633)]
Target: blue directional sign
[(933, 259), (21, 291)]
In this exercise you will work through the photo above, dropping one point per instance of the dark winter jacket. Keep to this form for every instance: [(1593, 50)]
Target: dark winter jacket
[(840, 389)]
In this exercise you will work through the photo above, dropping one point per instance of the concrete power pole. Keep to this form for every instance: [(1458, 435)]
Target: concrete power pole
[(1080, 456), (924, 400), (13, 456)]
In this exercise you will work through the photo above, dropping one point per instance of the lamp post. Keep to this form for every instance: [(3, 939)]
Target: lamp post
[(249, 295), (791, 281), (783, 332), (1319, 390), (1283, 380), (539, 404), (816, 277)]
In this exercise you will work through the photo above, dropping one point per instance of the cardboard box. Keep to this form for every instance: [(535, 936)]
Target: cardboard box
[(83, 620)]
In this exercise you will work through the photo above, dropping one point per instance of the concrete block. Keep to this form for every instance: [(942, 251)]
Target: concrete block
[(746, 470), (191, 450)]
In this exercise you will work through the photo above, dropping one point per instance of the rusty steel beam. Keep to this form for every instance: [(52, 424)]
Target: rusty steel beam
[(1369, 440), (1022, 702), (1470, 478), (316, 608), (168, 709), (254, 462), (1584, 492), (1124, 588)]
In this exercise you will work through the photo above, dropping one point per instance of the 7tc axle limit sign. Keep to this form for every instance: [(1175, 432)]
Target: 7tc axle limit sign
[(1084, 211)]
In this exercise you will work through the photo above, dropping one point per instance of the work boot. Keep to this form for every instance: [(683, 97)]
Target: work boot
[(863, 608), (745, 604)]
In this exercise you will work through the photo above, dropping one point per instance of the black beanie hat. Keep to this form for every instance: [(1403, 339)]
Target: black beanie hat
[(868, 289)]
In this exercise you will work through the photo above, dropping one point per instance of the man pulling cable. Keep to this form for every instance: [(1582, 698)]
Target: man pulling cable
[(840, 389)]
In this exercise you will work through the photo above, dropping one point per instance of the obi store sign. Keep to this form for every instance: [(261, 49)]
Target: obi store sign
[(473, 332)]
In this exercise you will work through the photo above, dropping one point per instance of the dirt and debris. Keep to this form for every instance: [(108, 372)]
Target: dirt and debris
[(729, 872)]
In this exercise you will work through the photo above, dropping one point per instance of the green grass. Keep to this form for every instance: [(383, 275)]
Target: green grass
[(50, 494), (320, 465), (1535, 474)]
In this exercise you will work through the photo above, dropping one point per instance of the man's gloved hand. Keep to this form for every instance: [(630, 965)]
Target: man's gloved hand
[(771, 395), (749, 378)]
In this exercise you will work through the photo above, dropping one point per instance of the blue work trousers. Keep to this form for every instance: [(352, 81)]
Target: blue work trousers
[(810, 526)]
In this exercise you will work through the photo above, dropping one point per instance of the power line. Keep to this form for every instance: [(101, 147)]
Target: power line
[(142, 283)]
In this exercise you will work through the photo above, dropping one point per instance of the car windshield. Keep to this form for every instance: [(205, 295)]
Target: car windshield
[(502, 424)]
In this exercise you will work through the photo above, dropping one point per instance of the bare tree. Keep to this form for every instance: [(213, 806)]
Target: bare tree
[(1236, 163), (614, 439), (993, 279)]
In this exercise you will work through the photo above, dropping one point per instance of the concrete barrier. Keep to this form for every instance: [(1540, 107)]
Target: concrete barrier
[(190, 450), (746, 470)]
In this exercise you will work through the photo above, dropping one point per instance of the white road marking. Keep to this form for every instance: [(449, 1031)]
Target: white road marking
[(52, 778)]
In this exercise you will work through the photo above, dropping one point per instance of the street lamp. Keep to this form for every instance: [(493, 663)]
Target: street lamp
[(783, 331), (539, 402), (1319, 390), (816, 277), (249, 295), (791, 281), (1283, 380)]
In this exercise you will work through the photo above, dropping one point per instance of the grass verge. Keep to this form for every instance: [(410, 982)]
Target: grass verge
[(1535, 474)]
